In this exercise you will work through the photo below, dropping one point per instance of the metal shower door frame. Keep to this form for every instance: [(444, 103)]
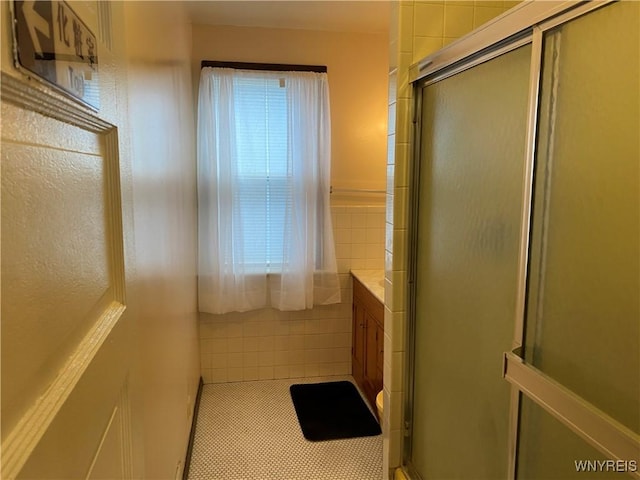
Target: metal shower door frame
[(525, 24)]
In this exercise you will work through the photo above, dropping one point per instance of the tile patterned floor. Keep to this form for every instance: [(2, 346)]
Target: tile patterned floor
[(249, 431)]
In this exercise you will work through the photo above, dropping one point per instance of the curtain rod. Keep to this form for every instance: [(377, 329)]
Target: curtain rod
[(276, 67)]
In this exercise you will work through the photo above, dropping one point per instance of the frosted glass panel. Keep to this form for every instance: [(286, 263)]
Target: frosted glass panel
[(583, 320), (550, 451), (471, 178)]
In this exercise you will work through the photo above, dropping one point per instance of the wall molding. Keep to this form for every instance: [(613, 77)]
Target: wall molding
[(192, 433), (26, 95)]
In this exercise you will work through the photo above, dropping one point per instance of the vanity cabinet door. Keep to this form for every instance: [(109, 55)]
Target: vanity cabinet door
[(358, 346), (379, 357), (371, 356), (368, 340)]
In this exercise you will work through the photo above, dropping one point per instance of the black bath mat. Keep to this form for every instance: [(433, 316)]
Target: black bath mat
[(332, 410)]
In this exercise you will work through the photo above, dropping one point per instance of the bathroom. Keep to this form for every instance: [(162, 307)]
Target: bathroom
[(120, 388)]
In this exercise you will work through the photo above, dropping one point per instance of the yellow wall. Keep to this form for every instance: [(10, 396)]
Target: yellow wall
[(158, 39), (358, 73)]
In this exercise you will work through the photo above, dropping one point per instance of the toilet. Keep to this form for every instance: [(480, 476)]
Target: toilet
[(379, 404)]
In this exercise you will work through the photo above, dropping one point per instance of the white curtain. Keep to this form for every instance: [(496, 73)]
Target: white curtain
[(265, 236)]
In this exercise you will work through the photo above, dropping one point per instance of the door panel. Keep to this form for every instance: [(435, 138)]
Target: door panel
[(580, 371), (56, 259), (358, 327), (583, 317), (470, 196), (371, 357), (549, 450), (73, 447), (66, 339), (583, 321), (104, 467)]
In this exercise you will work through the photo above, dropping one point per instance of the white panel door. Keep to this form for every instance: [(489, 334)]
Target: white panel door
[(66, 335)]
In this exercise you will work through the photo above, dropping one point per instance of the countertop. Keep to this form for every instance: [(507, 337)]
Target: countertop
[(373, 280)]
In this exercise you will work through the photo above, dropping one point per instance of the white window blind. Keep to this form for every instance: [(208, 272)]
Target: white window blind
[(264, 187)]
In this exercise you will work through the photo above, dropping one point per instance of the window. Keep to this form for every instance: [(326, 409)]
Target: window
[(264, 179), (265, 235)]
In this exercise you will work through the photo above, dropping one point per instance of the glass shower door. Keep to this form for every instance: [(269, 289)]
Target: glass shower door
[(473, 245), (470, 191), (583, 309)]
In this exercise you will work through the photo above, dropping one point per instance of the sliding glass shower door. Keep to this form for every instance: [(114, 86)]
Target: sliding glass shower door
[(468, 227), (525, 262), (583, 315)]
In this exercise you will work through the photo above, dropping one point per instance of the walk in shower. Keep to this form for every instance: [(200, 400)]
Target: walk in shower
[(524, 301)]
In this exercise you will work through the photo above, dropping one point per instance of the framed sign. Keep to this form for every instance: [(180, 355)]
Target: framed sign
[(53, 43)]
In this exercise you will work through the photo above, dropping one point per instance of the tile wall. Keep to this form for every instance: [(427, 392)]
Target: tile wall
[(268, 344), (418, 28)]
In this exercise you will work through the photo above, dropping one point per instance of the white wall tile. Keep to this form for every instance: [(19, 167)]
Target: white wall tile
[(343, 250), (374, 264), (218, 345), (235, 344), (458, 20), (251, 329), (265, 344), (296, 342), (234, 330), (265, 359), (429, 20), (219, 360), (311, 370), (235, 374), (344, 265), (235, 360), (206, 329), (375, 220), (325, 369), (250, 344), (296, 327), (342, 368), (397, 371), (282, 327), (296, 357), (268, 343), (205, 361), (281, 371), (343, 220), (281, 343), (395, 419), (281, 358), (341, 355), (218, 330), (359, 220), (250, 373), (250, 359), (266, 328), (342, 235), (342, 340)]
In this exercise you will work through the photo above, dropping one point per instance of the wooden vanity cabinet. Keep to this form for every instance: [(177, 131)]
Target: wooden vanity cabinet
[(367, 351)]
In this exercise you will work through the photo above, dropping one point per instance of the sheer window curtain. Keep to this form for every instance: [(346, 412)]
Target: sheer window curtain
[(265, 235)]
